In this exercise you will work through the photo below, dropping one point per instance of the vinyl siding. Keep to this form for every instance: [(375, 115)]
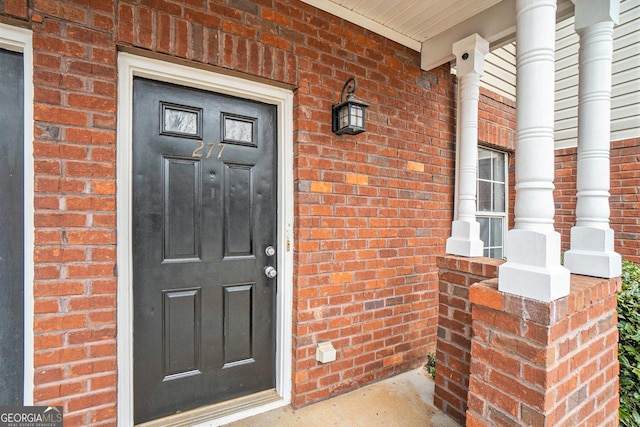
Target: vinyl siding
[(625, 91), (500, 71)]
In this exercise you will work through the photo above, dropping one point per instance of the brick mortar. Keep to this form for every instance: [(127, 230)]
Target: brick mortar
[(371, 211), (453, 347), (625, 180), (379, 306), (574, 386)]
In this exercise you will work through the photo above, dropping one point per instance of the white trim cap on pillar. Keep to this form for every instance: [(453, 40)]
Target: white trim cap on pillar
[(464, 240), (589, 12), (592, 253), (475, 47), (533, 268)]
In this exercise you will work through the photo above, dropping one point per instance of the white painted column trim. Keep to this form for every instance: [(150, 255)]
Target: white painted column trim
[(533, 268), (20, 40), (592, 239), (465, 230)]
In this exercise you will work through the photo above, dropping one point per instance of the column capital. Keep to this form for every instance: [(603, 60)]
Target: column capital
[(470, 53), (589, 12)]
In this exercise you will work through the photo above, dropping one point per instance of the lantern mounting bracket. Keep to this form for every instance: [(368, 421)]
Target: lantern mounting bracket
[(350, 86)]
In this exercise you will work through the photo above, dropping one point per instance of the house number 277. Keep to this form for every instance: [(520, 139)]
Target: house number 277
[(199, 151)]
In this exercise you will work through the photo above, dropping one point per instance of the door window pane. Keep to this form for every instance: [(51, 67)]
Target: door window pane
[(238, 130), (180, 121)]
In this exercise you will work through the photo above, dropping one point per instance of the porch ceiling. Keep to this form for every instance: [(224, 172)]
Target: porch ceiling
[(432, 26)]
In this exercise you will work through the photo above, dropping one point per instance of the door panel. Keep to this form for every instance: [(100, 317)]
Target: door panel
[(182, 317), (204, 210), (238, 300), (182, 209), (238, 196), (11, 227)]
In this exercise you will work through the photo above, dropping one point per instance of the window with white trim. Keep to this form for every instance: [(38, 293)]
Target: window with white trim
[(492, 200)]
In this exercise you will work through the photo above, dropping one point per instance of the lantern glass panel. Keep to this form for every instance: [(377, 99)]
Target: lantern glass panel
[(344, 116), (357, 116)]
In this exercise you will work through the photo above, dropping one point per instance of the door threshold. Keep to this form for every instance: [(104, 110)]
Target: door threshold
[(212, 413)]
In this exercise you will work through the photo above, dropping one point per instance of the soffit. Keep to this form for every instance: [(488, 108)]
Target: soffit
[(409, 22), (432, 26)]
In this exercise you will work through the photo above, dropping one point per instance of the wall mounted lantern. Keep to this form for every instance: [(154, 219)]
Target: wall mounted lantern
[(349, 115)]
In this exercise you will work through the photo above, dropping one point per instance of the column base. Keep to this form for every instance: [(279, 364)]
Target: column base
[(592, 253), (533, 268), (464, 240)]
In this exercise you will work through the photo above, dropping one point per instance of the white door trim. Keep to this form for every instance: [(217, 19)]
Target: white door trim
[(132, 65), (19, 40)]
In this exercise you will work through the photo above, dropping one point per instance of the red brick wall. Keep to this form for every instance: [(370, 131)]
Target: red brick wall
[(536, 364), (74, 153), (496, 121), (624, 201), (453, 352), (14, 10), (371, 211), (564, 194), (497, 129)]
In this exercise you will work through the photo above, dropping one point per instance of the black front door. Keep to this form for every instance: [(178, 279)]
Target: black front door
[(11, 227), (204, 214)]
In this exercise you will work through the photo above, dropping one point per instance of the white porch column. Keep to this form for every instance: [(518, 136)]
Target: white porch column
[(465, 230), (592, 239), (533, 268)]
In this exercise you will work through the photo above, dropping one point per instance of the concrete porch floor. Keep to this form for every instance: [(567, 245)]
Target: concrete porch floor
[(403, 400)]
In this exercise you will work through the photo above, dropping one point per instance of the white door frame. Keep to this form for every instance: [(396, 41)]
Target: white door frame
[(132, 65), (19, 40)]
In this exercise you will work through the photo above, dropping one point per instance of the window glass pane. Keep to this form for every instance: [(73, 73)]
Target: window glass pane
[(484, 230), (491, 200), (484, 196), (498, 198), (484, 169), (496, 231), (484, 164), (498, 167), (495, 253)]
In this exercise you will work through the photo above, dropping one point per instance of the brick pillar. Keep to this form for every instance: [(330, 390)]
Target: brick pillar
[(456, 275), (539, 363)]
